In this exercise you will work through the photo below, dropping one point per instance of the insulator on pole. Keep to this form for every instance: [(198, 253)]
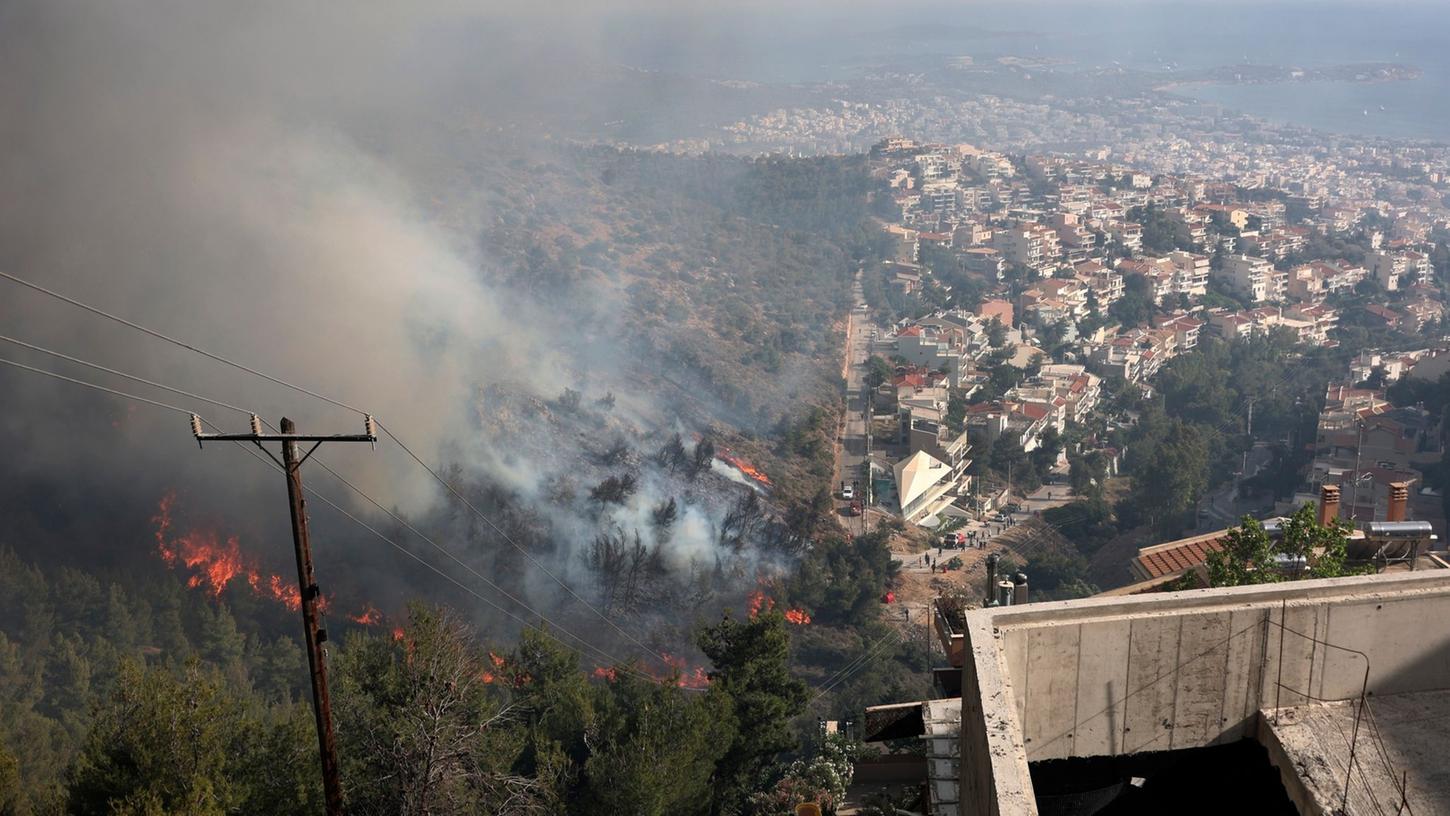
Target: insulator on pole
[(256, 425)]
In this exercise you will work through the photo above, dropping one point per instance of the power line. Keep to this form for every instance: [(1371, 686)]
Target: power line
[(124, 375), (506, 537), (112, 391), (860, 662), (218, 358), (455, 559), (158, 335), (334, 473), (614, 661)]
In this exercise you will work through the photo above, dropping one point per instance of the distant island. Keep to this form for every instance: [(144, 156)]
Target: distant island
[(1246, 74)]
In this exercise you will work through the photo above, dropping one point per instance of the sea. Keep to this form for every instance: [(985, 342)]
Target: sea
[(806, 42)]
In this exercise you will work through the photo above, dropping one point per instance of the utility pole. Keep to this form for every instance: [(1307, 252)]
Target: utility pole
[(308, 593)]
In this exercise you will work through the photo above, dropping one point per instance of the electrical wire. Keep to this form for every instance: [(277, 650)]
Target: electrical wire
[(218, 358), (615, 662), (860, 662), (112, 391), (123, 374), (506, 537), (158, 335), (455, 559)]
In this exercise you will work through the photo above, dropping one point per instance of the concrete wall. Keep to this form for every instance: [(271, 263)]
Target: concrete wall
[(1107, 676), (995, 778)]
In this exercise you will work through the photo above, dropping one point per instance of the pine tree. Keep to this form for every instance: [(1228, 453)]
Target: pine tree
[(751, 665)]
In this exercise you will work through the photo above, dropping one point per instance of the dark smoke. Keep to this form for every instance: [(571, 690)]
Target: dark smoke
[(288, 185)]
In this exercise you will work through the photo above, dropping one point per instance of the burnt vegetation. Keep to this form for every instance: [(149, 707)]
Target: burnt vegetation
[(720, 284)]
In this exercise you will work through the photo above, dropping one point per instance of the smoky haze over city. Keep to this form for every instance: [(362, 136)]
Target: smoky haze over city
[(715, 374)]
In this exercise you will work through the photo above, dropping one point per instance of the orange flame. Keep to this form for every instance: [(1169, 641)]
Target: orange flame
[(215, 564), (745, 467), (369, 616), (162, 520), (397, 633), (686, 677), (487, 677), (758, 602), (606, 673)]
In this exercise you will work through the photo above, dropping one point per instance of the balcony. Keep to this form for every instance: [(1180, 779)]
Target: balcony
[(949, 619)]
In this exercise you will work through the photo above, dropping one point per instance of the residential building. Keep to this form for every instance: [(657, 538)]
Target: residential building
[(1186, 329), (930, 432), (1191, 273), (1254, 278), (1322, 320), (1106, 284), (996, 309), (1400, 270), (1055, 300), (937, 347), (984, 261), (921, 480), (1031, 245)]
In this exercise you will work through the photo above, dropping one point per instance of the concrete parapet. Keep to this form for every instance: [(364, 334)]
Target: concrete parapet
[(1120, 675)]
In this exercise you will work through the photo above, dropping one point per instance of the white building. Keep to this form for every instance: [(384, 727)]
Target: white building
[(1255, 278), (921, 479)]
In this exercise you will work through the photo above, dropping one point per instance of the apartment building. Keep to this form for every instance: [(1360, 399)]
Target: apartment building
[(1191, 270), (1254, 278), (1161, 273), (984, 261), (1106, 284), (1400, 270), (1319, 279), (1056, 299), (1322, 320), (1032, 245)]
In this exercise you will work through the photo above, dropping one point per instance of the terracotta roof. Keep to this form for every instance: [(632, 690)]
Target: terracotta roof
[(1157, 562), (1033, 410)]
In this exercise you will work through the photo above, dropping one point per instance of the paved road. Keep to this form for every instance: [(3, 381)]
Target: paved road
[(1224, 507), (852, 444)]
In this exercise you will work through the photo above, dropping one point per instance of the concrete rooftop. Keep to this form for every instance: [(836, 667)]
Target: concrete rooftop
[(1181, 670), (1401, 737)]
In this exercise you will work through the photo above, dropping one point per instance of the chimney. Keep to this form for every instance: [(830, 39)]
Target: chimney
[(1399, 497), (1004, 592), (1328, 503), (992, 577), (1019, 588)]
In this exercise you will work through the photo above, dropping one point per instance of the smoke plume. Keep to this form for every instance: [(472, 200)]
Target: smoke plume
[(281, 183)]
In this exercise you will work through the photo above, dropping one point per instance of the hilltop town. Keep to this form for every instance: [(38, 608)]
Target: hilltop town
[(1028, 310)]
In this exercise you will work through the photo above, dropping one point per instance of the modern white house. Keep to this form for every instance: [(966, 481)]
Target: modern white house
[(921, 479)]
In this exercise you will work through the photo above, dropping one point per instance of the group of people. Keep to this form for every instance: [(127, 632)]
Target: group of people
[(970, 539)]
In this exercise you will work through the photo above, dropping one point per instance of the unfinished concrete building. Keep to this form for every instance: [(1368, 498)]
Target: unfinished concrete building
[(1311, 697)]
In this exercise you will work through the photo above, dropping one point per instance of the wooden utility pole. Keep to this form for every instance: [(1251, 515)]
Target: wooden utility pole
[(312, 631), (308, 593)]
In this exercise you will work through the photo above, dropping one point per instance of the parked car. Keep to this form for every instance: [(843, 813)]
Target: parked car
[(847, 492)]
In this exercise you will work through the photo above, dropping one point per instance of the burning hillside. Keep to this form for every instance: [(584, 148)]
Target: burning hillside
[(655, 525), (746, 469), (215, 565)]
